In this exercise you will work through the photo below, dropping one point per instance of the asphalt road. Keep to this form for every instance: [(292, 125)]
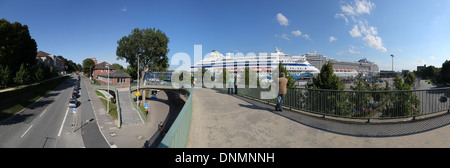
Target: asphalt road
[(49, 123)]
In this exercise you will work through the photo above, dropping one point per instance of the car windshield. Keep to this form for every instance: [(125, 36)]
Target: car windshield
[(72, 101)]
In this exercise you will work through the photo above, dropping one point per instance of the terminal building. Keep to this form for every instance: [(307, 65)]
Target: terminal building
[(345, 69)]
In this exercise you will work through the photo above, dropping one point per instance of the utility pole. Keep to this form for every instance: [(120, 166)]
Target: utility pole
[(139, 79), (107, 97)]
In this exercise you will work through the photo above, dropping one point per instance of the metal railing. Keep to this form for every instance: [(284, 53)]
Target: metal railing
[(113, 88), (178, 133), (361, 104)]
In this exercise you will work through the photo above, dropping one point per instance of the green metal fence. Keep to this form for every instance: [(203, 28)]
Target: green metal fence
[(113, 88), (361, 104), (178, 133)]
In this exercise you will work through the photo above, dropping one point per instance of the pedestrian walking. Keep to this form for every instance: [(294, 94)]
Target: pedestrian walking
[(235, 84), (282, 89), (230, 85)]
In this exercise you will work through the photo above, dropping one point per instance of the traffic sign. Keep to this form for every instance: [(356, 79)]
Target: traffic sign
[(74, 110), (138, 93), (146, 105)]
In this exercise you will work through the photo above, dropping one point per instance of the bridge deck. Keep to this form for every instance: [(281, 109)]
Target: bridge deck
[(222, 120)]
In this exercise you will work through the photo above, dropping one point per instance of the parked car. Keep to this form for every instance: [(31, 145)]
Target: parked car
[(443, 99), (72, 103)]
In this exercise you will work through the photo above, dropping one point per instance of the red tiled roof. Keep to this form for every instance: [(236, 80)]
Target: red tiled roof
[(42, 54), (103, 66)]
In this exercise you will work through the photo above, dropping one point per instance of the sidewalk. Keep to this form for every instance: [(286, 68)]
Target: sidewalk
[(220, 120), (130, 116), (133, 136)]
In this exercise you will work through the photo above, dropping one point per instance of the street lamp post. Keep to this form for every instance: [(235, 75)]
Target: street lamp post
[(392, 55), (107, 101), (139, 80)]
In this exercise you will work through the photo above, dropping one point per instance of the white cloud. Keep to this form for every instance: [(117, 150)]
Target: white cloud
[(374, 42), (332, 39), (124, 9), (432, 58), (283, 36), (371, 39), (282, 20), (358, 8), (338, 15), (355, 32), (296, 33), (352, 50), (364, 6), (348, 9), (306, 36)]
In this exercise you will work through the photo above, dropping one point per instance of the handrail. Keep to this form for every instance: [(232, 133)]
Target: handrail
[(361, 104), (119, 111), (178, 133)]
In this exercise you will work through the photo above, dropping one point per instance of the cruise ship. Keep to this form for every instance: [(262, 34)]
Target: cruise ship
[(263, 64), (342, 69)]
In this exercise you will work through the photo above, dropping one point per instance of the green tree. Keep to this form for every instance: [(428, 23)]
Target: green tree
[(38, 72), (132, 72), (88, 66), (327, 79), (288, 75), (149, 45), (402, 102), (410, 78), (16, 46), (444, 75), (118, 66), (23, 75), (5, 75)]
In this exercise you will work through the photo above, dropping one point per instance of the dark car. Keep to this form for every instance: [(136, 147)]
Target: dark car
[(443, 99)]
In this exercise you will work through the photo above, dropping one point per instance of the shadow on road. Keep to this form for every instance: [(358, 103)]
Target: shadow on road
[(174, 110)]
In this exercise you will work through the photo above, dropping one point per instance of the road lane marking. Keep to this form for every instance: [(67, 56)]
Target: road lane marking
[(43, 113), (62, 125), (26, 131)]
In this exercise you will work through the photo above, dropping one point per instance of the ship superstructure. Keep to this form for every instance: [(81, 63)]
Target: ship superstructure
[(263, 64)]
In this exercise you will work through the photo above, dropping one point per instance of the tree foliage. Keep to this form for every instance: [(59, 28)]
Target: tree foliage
[(444, 75), (118, 66), (327, 79), (288, 75), (150, 45), (88, 66), (16, 47), (5, 75), (23, 75)]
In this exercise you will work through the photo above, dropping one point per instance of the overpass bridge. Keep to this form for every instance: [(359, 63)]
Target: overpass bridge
[(213, 118)]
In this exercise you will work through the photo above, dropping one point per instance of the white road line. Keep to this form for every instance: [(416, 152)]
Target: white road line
[(43, 113), (26, 131), (62, 125)]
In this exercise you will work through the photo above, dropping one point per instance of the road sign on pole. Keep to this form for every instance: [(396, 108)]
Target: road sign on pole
[(74, 110), (146, 105)]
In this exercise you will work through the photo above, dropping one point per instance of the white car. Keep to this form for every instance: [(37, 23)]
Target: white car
[(72, 103)]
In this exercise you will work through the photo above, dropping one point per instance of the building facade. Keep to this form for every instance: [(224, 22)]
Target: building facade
[(101, 69), (117, 77), (51, 61)]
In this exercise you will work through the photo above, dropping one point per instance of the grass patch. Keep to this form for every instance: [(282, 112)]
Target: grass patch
[(112, 106), (15, 100)]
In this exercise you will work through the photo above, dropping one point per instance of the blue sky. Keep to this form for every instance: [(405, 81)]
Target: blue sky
[(416, 32)]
